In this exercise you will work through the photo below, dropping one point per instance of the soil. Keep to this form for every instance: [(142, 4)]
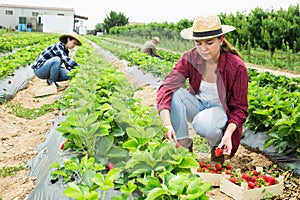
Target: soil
[(19, 137)]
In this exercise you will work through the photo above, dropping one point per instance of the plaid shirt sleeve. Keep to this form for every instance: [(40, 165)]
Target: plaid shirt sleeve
[(58, 50)]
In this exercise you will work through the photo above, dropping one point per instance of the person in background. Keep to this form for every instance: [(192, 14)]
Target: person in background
[(216, 101), (54, 63), (150, 47)]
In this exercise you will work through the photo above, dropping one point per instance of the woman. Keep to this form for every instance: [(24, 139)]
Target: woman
[(49, 64), (216, 101), (150, 47)]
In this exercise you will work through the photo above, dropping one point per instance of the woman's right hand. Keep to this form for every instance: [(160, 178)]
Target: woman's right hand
[(170, 134)]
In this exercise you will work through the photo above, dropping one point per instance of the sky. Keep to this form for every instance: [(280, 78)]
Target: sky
[(155, 10)]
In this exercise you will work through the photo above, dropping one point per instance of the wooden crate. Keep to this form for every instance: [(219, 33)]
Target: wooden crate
[(47, 90), (243, 193), (213, 179)]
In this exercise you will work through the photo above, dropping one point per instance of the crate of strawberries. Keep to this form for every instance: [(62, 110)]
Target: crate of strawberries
[(212, 172), (249, 185)]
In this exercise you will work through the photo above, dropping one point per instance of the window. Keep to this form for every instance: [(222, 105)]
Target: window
[(60, 14), (9, 12), (22, 20), (35, 14)]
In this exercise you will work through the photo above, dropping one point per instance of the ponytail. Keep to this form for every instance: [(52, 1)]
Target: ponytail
[(228, 47)]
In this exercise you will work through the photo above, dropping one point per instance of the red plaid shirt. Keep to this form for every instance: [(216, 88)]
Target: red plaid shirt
[(232, 83)]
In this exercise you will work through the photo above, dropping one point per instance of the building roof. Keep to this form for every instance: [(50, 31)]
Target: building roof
[(35, 7)]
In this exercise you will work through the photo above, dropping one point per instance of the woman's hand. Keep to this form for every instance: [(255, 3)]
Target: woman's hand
[(226, 139), (226, 142), (170, 134)]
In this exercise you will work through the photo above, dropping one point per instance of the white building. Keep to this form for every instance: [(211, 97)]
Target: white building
[(37, 18)]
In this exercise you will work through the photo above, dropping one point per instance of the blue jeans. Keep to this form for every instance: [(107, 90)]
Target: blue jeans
[(52, 70), (208, 118)]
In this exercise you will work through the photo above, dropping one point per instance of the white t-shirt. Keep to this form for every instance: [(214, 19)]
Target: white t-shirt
[(208, 92)]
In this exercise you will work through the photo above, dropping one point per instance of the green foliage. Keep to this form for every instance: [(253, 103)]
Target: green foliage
[(31, 113), (114, 19), (260, 36), (11, 171)]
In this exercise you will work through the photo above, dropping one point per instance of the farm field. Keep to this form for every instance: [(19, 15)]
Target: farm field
[(21, 136)]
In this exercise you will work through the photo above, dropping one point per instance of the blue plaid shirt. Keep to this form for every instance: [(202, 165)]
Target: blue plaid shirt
[(59, 50)]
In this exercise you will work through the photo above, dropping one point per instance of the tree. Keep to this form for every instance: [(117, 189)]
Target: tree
[(114, 19), (99, 27)]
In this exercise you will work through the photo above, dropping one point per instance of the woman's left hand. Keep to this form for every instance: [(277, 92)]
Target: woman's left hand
[(227, 144)]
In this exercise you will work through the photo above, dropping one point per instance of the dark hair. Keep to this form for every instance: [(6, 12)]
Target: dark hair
[(228, 47), (65, 39)]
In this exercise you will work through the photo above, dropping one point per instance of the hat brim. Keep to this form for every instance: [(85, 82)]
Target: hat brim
[(188, 33), (62, 37)]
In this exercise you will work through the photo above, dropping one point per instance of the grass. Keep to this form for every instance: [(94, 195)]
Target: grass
[(11, 171), (200, 145), (32, 113)]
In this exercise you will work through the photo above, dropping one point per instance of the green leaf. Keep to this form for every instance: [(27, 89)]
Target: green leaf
[(87, 177), (130, 144), (111, 177), (155, 194), (177, 184), (73, 191), (188, 162), (269, 142)]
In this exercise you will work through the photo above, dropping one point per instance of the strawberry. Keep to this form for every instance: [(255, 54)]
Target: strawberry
[(62, 146), (227, 166), (201, 164), (246, 176), (110, 166), (234, 180), (177, 144), (208, 165), (218, 152), (271, 180), (218, 167), (255, 173), (251, 184), (228, 172)]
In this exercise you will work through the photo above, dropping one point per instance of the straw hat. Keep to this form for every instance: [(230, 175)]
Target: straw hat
[(156, 39), (71, 35), (205, 28)]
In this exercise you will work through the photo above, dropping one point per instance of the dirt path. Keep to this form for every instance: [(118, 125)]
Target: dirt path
[(19, 137)]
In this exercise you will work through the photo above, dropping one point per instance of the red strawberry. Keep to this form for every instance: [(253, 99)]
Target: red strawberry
[(177, 144), (218, 152), (271, 180), (227, 166), (201, 164), (110, 166), (246, 177), (234, 180), (62, 146), (228, 172), (251, 184), (218, 167), (208, 165), (255, 173)]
